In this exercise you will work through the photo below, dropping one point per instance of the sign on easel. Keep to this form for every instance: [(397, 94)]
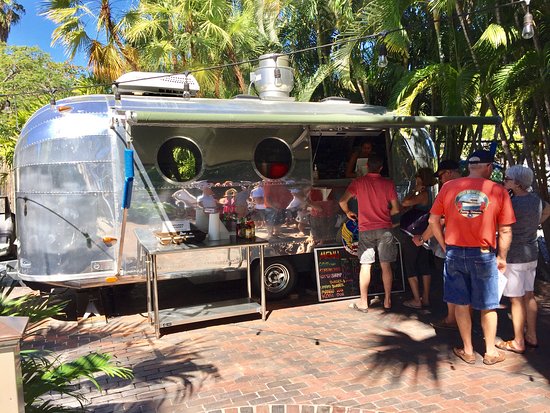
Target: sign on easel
[(337, 274)]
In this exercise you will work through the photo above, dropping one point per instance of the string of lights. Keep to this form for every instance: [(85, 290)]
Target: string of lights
[(382, 61)]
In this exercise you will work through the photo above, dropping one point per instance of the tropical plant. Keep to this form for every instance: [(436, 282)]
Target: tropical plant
[(43, 373), (190, 35), (10, 14), (28, 79), (81, 26)]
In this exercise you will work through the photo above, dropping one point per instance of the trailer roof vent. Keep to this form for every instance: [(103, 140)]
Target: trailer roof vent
[(244, 97), (336, 99), (159, 84), (274, 79)]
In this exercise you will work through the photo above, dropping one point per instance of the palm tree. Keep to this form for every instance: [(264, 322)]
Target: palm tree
[(180, 35), (10, 14), (108, 55)]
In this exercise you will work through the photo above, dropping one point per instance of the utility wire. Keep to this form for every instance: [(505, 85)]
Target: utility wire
[(382, 34)]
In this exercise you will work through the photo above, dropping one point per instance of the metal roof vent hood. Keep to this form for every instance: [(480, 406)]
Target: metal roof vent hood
[(161, 84), (274, 79)]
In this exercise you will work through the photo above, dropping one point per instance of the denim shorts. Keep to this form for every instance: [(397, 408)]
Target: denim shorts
[(381, 239), (471, 278)]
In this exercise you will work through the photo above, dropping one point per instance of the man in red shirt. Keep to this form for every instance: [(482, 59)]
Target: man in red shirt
[(474, 208), (377, 201)]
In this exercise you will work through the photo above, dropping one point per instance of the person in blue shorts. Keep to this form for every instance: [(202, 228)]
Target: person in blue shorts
[(474, 208)]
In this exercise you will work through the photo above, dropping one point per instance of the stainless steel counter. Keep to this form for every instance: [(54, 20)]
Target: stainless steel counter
[(149, 248)]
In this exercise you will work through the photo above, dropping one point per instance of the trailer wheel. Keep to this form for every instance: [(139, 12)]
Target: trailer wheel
[(280, 278)]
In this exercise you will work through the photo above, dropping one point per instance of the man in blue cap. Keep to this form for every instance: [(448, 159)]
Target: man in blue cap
[(474, 208)]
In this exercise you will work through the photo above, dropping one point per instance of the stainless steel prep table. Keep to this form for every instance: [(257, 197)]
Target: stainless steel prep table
[(149, 248)]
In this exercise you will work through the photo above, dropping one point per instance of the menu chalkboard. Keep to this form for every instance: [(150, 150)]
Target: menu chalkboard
[(338, 275)]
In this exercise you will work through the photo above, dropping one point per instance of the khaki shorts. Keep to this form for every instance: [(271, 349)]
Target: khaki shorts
[(381, 239)]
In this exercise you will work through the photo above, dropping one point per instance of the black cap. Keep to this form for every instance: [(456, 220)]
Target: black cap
[(481, 156), (447, 165)]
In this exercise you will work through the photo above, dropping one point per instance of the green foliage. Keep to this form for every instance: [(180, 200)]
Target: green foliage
[(28, 77), (185, 160), (37, 308), (43, 373)]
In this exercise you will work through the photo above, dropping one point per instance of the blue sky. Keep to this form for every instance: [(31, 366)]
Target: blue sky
[(35, 30)]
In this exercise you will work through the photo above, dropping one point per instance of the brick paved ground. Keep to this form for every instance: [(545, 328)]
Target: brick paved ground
[(306, 358)]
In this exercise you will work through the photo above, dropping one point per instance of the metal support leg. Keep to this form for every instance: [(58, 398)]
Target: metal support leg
[(155, 295), (148, 286), (262, 282), (248, 275)]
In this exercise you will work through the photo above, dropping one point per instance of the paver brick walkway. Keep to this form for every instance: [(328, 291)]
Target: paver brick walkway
[(322, 357)]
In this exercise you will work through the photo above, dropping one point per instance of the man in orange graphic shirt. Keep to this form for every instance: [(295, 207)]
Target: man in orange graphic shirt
[(474, 208)]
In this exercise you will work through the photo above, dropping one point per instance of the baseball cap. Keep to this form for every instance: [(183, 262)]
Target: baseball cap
[(446, 165), (481, 156)]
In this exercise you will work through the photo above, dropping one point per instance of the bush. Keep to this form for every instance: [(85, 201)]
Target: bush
[(43, 373)]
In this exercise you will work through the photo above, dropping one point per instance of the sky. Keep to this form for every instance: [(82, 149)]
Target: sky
[(35, 30)]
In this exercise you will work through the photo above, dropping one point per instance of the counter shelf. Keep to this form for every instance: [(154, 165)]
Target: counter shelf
[(149, 248)]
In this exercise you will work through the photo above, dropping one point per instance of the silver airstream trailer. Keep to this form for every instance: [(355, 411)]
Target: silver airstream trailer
[(72, 175)]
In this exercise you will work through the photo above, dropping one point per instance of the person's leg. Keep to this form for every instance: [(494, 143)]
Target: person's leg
[(366, 255), (364, 282), (464, 321), (426, 281), (387, 253), (483, 271), (451, 317), (531, 310), (415, 289), (530, 304), (514, 290), (387, 278), (518, 321), (489, 325), (409, 252)]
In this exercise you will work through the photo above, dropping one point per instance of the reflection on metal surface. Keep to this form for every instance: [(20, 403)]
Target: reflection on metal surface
[(69, 171)]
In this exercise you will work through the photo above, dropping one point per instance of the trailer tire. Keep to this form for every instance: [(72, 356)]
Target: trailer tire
[(280, 278)]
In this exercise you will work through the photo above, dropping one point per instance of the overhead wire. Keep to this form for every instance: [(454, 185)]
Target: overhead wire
[(382, 34)]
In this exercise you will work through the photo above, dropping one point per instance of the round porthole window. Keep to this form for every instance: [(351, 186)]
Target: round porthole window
[(272, 158), (179, 159)]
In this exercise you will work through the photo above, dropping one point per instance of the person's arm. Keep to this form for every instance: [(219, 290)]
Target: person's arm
[(394, 211), (419, 240), (344, 205), (437, 229), (545, 212), (350, 167), (418, 197), (504, 241)]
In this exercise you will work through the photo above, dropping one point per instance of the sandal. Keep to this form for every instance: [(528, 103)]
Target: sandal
[(509, 346), (467, 358), (357, 308), (490, 360), (411, 304)]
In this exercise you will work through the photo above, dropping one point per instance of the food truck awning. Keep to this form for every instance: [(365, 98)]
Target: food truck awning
[(388, 120)]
